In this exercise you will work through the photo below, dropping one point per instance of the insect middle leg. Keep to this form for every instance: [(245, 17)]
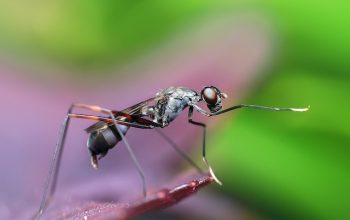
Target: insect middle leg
[(190, 120), (179, 151)]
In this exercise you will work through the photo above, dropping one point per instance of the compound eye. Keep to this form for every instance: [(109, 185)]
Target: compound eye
[(210, 95)]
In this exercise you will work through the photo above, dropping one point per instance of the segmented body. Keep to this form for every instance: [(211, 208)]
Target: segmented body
[(175, 100), (162, 109)]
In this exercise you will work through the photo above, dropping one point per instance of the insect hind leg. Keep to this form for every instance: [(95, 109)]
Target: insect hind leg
[(51, 179)]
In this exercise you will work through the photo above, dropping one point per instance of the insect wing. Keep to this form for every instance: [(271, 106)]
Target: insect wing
[(140, 108), (131, 114)]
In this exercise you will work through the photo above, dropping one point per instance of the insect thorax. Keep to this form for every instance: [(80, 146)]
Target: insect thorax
[(175, 100)]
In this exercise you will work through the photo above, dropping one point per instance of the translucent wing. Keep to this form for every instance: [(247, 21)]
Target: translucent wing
[(132, 114), (140, 108)]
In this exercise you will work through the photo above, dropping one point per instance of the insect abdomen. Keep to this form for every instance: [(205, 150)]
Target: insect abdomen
[(101, 140)]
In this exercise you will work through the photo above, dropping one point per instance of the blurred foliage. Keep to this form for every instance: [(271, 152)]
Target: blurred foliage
[(89, 33), (290, 165), (315, 33), (295, 165)]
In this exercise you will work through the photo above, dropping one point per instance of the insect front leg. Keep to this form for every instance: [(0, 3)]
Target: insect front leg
[(259, 107), (190, 120)]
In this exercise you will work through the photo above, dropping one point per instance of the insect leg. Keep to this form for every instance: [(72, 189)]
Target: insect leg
[(52, 175), (200, 110), (109, 120), (261, 108), (53, 170), (131, 152), (190, 113), (179, 151)]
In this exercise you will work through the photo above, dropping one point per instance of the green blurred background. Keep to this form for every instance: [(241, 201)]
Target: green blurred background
[(280, 166)]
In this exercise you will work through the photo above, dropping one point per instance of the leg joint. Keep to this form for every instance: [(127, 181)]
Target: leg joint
[(197, 123)]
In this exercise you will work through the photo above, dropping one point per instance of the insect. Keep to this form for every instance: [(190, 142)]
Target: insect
[(154, 113)]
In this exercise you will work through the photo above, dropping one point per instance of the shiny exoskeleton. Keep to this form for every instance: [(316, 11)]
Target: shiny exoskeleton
[(163, 109), (156, 112)]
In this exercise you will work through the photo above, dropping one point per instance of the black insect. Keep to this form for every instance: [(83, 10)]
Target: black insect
[(156, 112)]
